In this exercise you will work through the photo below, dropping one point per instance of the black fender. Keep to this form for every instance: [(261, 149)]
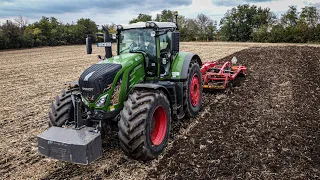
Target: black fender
[(186, 63), (165, 86), (153, 86)]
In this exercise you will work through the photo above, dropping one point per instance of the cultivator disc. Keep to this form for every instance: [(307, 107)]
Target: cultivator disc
[(218, 75)]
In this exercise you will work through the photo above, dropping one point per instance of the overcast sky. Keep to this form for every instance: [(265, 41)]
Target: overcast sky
[(121, 11)]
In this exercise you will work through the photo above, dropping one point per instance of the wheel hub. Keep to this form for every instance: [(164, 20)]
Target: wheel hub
[(195, 90), (158, 125)]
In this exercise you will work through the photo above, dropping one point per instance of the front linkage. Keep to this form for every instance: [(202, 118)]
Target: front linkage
[(78, 144)]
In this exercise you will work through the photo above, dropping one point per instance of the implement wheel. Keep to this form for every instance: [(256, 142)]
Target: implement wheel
[(144, 124), (193, 90), (62, 109)]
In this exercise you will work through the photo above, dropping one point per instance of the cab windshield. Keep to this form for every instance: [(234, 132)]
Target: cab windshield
[(137, 40)]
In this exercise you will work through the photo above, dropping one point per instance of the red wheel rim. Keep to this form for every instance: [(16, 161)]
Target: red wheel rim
[(195, 90), (158, 125)]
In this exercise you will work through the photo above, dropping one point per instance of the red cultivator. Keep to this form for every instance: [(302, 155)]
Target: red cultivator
[(217, 75)]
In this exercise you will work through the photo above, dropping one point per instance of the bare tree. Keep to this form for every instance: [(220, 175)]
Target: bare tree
[(204, 22), (21, 21)]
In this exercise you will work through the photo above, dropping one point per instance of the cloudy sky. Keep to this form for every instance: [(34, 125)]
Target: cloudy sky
[(121, 11)]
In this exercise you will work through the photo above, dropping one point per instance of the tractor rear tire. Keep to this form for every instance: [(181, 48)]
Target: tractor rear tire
[(144, 125), (193, 90), (62, 109)]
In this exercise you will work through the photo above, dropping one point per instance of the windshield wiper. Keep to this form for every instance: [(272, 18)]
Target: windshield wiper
[(138, 50), (127, 48), (124, 50)]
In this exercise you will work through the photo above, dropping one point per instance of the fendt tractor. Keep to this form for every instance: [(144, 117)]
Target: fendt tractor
[(146, 85)]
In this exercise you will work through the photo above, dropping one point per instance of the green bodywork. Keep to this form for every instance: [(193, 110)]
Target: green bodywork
[(177, 65), (131, 73)]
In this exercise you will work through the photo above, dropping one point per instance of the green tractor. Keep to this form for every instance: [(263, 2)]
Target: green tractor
[(143, 88)]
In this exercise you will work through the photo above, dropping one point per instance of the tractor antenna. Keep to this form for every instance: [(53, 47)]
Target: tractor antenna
[(176, 15)]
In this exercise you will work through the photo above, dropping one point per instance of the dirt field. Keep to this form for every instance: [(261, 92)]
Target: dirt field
[(266, 128)]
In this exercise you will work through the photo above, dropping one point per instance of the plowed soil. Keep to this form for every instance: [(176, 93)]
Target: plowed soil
[(266, 127)]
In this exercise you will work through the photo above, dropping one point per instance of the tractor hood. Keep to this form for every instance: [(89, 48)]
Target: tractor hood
[(124, 60), (96, 79)]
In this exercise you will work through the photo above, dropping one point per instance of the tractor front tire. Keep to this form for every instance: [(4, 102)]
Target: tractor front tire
[(193, 90), (62, 109), (144, 125)]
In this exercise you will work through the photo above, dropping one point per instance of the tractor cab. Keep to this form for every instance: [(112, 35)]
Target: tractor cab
[(157, 41)]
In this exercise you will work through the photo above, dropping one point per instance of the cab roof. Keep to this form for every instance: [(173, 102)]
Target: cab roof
[(143, 25)]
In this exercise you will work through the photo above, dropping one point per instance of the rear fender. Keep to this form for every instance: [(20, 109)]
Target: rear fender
[(181, 64)]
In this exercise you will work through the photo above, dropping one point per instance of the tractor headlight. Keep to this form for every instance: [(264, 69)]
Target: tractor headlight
[(119, 27), (102, 101), (153, 24)]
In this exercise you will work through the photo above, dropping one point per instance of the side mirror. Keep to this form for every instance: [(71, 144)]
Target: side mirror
[(89, 44), (175, 41)]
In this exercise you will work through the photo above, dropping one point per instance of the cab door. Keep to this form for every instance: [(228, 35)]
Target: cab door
[(165, 55)]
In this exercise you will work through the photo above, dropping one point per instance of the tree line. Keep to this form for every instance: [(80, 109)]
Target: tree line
[(241, 23), (252, 23), (191, 29), (46, 32)]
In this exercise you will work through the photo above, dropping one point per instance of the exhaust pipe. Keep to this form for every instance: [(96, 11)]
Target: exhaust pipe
[(107, 39)]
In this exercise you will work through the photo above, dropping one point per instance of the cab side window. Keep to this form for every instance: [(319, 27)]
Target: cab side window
[(165, 54), (165, 42)]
